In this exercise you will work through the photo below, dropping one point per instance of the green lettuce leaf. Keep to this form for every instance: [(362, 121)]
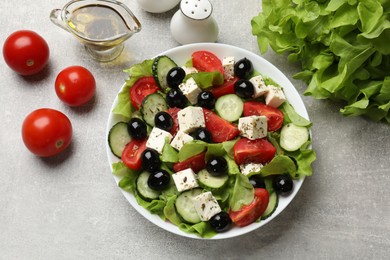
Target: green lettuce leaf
[(206, 80), (280, 164), (242, 192)]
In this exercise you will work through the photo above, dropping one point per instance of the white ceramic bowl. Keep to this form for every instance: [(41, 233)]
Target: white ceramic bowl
[(180, 55), (157, 6)]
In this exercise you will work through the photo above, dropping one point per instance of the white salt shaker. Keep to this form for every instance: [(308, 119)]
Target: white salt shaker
[(194, 22)]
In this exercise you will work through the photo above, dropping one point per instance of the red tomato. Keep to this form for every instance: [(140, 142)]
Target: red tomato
[(220, 129), (75, 85), (26, 52), (206, 61), (142, 88), (226, 88), (255, 151), (46, 132), (274, 116), (173, 113), (196, 163), (252, 212), (131, 155)]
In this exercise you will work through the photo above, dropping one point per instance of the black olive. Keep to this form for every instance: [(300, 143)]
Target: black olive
[(159, 180), (243, 68), (282, 183), (220, 222), (244, 88), (137, 128), (175, 77), (257, 181), (217, 166), (175, 98), (202, 134), (206, 99), (150, 160), (163, 120)]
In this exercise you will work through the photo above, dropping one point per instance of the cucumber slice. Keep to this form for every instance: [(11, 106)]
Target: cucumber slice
[(272, 205), (118, 137), (229, 107), (160, 69), (214, 182), (292, 137), (185, 206), (151, 105), (143, 188)]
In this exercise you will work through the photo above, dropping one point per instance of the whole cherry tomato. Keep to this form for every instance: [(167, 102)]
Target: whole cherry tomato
[(46, 132), (75, 85), (26, 52)]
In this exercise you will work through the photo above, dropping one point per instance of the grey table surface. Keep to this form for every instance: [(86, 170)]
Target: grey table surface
[(69, 207)]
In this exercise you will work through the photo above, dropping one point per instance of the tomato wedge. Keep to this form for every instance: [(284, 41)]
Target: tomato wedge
[(226, 88), (253, 151), (274, 116), (196, 163), (220, 129), (173, 113), (206, 61), (252, 212), (142, 87), (131, 155)]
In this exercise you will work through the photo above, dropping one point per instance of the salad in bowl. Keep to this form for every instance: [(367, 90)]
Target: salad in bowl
[(209, 140)]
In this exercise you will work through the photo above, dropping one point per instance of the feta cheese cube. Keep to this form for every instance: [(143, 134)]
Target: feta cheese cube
[(275, 96), (191, 90), (180, 139), (190, 118), (189, 70), (228, 68), (259, 86), (206, 205), (250, 168), (185, 180), (253, 127), (156, 139)]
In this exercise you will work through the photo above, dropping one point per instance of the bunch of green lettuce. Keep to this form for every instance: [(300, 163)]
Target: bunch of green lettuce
[(342, 45)]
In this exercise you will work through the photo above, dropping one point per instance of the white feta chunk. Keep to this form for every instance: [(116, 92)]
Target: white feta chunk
[(185, 180), (228, 68), (253, 127), (180, 139), (250, 168), (259, 86), (206, 205), (190, 118), (191, 90), (157, 138), (275, 96), (189, 70)]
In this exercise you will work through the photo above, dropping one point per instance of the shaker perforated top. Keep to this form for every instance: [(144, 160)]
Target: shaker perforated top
[(196, 9)]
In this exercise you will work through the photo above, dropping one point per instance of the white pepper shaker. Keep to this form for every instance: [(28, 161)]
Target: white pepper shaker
[(194, 22)]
